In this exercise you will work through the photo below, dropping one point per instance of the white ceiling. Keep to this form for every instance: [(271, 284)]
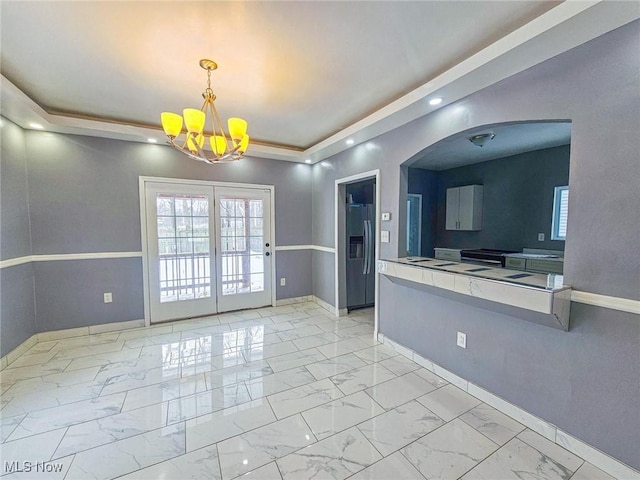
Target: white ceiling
[(305, 75), (510, 139)]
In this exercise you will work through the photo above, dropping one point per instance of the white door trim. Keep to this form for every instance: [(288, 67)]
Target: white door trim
[(142, 180), (339, 246)]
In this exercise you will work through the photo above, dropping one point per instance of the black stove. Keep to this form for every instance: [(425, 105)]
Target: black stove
[(485, 256)]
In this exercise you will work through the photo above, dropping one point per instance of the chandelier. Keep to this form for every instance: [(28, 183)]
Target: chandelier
[(223, 148)]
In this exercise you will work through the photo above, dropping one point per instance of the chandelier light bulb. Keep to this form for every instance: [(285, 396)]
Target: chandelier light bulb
[(206, 123)]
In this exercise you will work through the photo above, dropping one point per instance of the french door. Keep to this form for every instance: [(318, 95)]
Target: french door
[(243, 259), (208, 249)]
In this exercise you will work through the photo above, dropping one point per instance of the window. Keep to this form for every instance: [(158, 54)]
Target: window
[(560, 210)]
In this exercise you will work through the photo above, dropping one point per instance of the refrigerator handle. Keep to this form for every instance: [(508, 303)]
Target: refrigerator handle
[(370, 250), (365, 264)]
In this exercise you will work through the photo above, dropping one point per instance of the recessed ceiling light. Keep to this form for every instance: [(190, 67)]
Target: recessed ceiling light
[(350, 141), (308, 160), (37, 126), (435, 101), (152, 140)]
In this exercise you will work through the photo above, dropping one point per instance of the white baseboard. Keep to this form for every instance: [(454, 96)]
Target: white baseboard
[(11, 357), (327, 306), (294, 300), (591, 454), (82, 331)]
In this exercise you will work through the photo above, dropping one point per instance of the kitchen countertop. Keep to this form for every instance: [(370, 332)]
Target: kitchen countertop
[(550, 282)]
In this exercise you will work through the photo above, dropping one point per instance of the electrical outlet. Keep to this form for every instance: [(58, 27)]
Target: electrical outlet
[(541, 237), (384, 236), (461, 340), (283, 282), (108, 297)]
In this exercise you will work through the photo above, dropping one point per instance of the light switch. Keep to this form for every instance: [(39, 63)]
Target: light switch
[(386, 216), (384, 236)]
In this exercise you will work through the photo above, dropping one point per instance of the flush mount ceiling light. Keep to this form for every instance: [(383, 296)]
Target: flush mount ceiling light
[(435, 101), (481, 139), (224, 148)]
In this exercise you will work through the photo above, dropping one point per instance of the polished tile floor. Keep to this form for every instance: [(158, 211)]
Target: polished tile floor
[(276, 393)]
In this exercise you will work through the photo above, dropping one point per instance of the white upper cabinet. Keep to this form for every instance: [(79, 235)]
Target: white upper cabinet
[(464, 208)]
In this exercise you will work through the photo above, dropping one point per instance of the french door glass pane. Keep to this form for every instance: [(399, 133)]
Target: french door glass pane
[(183, 247), (241, 240)]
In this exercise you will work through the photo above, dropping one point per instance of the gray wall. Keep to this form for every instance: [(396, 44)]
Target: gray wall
[(595, 86), (517, 200), (17, 302), (425, 182), (83, 198)]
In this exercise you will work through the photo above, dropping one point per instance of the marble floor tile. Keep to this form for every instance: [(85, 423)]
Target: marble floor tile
[(399, 427), (279, 382), (517, 460), (269, 471), (198, 465), (32, 371), (89, 350), (335, 365), (303, 398), (297, 333), (63, 416), (355, 330), (8, 425), (42, 347), (377, 353), (36, 448), (342, 347), (29, 359), (399, 390), (360, 378), (316, 340), (330, 418), (431, 377), (295, 359), (551, 450), (86, 340), (393, 467), (164, 392), (94, 433), (207, 363), (589, 472), (100, 359), (449, 402), (218, 426), (492, 423), (30, 397), (271, 393), (136, 379), (126, 456), (268, 351), (144, 332), (336, 457), (207, 402), (450, 451), (236, 374), (398, 364), (258, 447)]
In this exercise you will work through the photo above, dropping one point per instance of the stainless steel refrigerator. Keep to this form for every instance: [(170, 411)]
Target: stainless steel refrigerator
[(361, 228)]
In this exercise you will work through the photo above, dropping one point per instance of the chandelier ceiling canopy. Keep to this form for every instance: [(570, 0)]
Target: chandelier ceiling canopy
[(224, 147)]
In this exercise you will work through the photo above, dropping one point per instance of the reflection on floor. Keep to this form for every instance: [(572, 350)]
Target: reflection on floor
[(276, 393)]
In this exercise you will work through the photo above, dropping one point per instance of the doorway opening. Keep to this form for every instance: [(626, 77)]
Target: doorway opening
[(357, 241)]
